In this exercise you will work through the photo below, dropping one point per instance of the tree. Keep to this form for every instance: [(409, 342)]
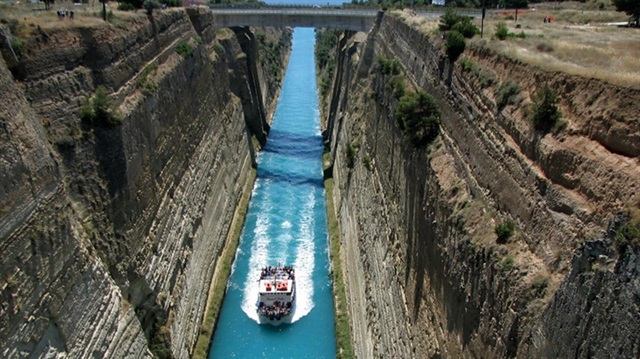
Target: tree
[(466, 28), (136, 3), (150, 5), (419, 117), (455, 45), (451, 20), (630, 7), (545, 112), (516, 4)]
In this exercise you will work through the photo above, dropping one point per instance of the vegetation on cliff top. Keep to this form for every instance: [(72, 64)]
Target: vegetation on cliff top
[(457, 27), (631, 8), (576, 42)]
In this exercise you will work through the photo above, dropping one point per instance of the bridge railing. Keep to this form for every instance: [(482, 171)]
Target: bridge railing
[(294, 11)]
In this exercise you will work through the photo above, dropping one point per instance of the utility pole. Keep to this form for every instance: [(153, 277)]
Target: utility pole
[(104, 9), (482, 22)]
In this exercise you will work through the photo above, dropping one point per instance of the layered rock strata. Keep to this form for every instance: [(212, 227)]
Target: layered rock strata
[(425, 274), (111, 231)]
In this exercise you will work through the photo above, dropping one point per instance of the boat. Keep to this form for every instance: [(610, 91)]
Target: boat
[(276, 295)]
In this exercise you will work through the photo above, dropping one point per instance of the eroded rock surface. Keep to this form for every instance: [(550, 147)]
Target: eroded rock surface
[(425, 274), (111, 231)]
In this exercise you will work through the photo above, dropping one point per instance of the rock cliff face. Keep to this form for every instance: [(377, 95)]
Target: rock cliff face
[(110, 232), (425, 274)]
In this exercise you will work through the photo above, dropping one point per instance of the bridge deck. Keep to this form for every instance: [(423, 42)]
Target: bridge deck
[(347, 19)]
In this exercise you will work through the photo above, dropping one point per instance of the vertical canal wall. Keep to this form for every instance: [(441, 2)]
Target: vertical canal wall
[(426, 276), (110, 229)]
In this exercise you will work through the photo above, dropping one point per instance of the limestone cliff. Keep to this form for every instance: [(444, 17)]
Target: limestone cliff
[(110, 231), (425, 274)]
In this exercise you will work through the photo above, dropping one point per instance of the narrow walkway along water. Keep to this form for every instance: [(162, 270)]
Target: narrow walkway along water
[(286, 224)]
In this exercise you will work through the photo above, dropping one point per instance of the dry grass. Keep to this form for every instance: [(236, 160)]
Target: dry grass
[(32, 16), (426, 25), (577, 41), (603, 52)]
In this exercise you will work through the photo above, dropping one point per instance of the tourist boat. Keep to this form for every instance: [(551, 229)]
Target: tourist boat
[(276, 295)]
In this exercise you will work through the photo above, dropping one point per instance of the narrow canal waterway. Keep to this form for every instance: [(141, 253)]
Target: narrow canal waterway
[(286, 224)]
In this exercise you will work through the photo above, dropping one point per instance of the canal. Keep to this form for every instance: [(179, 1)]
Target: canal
[(285, 224)]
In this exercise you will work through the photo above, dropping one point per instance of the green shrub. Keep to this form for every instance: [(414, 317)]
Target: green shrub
[(507, 264), (545, 109), (486, 78), (507, 94), (389, 67), (135, 3), (367, 162), (630, 231), (351, 155), (501, 31), (13, 25), (172, 3), (449, 19), (86, 111), (110, 16), (397, 86), (455, 45), (98, 110), (504, 231), (147, 80), (467, 29), (467, 65), (419, 117), (67, 136), (219, 49), (325, 86), (16, 44), (184, 49), (124, 6)]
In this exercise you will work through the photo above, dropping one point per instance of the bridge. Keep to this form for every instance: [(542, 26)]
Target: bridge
[(336, 18)]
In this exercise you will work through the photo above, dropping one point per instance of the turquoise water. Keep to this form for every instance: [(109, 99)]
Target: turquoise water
[(286, 224)]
